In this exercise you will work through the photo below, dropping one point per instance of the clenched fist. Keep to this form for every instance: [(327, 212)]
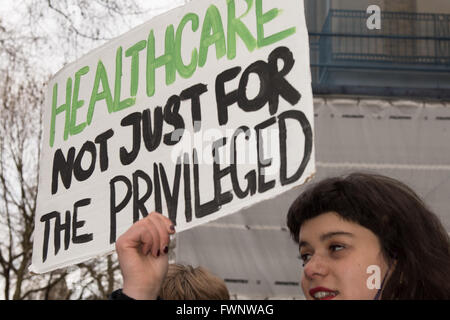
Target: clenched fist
[(143, 259)]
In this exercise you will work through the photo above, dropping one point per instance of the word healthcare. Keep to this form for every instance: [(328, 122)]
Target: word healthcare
[(273, 87), (223, 39)]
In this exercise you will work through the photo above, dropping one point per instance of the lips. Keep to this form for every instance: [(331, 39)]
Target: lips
[(322, 293)]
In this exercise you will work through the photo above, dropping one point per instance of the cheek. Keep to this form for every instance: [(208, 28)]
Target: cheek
[(354, 283), (353, 280)]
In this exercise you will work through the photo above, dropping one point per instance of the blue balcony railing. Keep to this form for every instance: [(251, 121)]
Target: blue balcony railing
[(410, 50)]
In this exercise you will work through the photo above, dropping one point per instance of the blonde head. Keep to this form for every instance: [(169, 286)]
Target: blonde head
[(184, 282)]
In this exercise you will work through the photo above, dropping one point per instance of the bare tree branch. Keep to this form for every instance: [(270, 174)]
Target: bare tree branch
[(23, 77)]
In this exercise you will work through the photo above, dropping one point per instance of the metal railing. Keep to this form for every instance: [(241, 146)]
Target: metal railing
[(406, 42)]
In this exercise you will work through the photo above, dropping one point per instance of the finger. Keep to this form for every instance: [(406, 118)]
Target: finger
[(132, 238), (146, 240), (155, 244), (164, 236), (168, 224)]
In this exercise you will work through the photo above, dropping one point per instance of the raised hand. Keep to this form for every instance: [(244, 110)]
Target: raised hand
[(143, 259)]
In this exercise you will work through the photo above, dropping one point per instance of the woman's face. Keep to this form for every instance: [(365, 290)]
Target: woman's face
[(336, 256)]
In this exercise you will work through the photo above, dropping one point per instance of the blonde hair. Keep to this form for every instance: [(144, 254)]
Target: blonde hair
[(184, 282)]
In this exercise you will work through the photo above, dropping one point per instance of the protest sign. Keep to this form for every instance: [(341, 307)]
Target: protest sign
[(196, 114)]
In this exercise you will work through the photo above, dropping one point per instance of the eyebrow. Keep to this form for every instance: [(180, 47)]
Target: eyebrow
[(327, 236)]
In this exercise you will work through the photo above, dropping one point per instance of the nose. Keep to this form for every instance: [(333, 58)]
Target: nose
[(316, 267)]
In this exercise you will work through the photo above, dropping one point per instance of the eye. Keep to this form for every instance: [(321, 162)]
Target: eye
[(336, 247), (305, 258)]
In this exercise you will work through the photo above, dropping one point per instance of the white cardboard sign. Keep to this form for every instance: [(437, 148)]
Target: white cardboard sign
[(196, 114)]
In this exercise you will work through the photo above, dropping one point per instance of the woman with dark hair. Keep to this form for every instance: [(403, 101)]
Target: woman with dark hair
[(348, 227)]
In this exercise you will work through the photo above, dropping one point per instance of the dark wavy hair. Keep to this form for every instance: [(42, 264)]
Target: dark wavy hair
[(409, 233)]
